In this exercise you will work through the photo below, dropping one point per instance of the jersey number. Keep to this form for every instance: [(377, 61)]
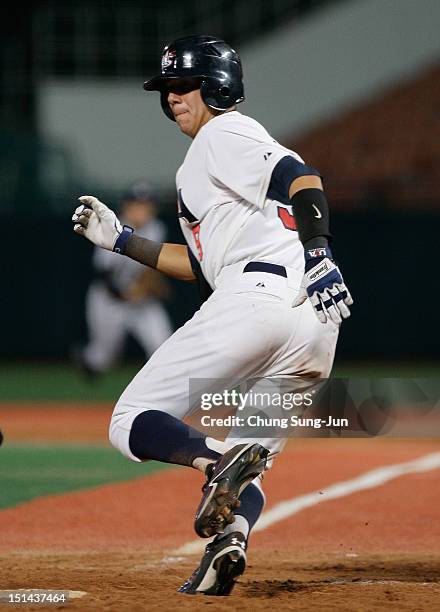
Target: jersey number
[(287, 219), (185, 214), (196, 233)]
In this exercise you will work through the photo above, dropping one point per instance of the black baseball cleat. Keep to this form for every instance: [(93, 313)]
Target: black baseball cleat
[(224, 560), (226, 479)]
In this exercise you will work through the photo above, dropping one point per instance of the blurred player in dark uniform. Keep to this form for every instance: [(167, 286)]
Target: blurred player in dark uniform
[(124, 296)]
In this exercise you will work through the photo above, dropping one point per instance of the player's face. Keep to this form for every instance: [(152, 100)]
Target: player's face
[(137, 212), (187, 106)]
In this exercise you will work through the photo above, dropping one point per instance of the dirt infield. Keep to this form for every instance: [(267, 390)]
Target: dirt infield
[(67, 422), (283, 581), (124, 544)]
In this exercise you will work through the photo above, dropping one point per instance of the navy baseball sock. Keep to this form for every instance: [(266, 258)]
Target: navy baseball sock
[(252, 504), (160, 436)]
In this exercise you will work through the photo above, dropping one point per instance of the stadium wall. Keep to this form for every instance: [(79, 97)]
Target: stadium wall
[(394, 314), (300, 75)]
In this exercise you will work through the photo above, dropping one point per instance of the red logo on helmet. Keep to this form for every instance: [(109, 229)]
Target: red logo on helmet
[(168, 58)]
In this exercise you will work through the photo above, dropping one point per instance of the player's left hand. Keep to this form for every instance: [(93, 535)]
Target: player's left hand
[(324, 286), (97, 222)]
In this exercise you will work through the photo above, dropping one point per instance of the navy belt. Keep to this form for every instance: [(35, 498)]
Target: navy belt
[(261, 266)]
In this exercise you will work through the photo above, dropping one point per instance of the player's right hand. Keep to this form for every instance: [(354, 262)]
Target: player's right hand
[(97, 222)]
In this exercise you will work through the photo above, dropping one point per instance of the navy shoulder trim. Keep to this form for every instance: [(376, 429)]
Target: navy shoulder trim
[(286, 171)]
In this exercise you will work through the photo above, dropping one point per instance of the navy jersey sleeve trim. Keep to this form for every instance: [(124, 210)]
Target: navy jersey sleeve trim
[(287, 170)]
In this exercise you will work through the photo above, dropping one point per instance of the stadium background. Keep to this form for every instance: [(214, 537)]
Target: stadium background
[(352, 85)]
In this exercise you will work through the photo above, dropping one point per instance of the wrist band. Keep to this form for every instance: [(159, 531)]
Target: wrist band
[(317, 252), (315, 255), (119, 246)]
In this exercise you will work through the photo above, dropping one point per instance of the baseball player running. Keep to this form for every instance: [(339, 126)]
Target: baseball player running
[(256, 222)]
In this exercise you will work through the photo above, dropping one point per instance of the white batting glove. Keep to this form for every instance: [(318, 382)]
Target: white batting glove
[(94, 220), (323, 284)]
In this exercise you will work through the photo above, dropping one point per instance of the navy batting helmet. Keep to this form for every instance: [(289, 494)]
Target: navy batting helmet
[(140, 191), (206, 57)]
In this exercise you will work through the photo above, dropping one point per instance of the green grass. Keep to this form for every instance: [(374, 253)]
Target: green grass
[(387, 370), (29, 471), (61, 382)]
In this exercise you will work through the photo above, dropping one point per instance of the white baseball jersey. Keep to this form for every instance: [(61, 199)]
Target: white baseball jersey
[(225, 214)]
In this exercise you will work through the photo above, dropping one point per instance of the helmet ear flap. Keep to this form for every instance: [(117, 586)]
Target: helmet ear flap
[(224, 91), (219, 95)]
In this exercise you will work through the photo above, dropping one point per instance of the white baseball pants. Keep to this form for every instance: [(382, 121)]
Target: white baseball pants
[(246, 329)]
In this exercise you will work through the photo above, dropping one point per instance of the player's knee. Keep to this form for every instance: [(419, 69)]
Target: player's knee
[(119, 435)]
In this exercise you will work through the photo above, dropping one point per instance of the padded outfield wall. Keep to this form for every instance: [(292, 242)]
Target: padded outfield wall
[(387, 260)]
